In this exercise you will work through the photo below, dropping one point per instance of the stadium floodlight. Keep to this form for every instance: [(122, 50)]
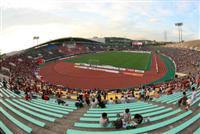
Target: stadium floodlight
[(36, 38), (179, 25)]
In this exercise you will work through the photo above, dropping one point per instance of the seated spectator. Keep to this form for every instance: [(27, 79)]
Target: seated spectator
[(60, 101), (138, 119), (79, 103), (104, 121), (27, 97), (157, 95), (183, 100), (131, 99), (45, 97), (126, 116), (111, 101), (123, 100), (102, 104), (30, 94), (16, 91), (126, 100), (118, 123), (116, 100)]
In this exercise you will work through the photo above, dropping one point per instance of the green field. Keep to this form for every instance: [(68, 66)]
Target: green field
[(132, 60)]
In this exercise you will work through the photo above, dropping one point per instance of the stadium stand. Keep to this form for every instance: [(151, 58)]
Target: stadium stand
[(40, 115)]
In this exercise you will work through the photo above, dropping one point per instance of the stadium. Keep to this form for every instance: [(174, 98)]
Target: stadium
[(101, 85), (123, 69)]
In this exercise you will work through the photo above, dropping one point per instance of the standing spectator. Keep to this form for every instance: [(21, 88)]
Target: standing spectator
[(111, 101), (87, 98), (94, 103), (142, 93), (126, 116), (193, 94), (123, 99), (81, 96), (104, 95), (99, 97), (183, 100), (78, 103), (116, 100), (147, 95), (5, 83)]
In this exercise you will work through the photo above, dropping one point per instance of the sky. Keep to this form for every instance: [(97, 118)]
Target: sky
[(21, 20)]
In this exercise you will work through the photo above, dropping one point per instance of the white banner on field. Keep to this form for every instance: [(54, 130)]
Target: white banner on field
[(97, 69), (149, 52)]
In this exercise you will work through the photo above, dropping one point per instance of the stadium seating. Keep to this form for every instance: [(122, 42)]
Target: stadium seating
[(34, 113), (38, 110), (31, 112), (173, 99), (154, 110), (93, 125), (46, 107), (137, 130), (1, 95), (37, 115), (10, 93), (184, 125), (52, 103), (24, 116), (5, 128), (197, 131), (15, 121), (4, 93)]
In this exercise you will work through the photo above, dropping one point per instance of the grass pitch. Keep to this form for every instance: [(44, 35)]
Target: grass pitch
[(131, 60)]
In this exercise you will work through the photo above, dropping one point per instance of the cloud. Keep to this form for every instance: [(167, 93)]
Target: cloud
[(154, 20), (23, 19)]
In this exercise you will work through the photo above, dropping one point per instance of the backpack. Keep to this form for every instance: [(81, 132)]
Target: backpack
[(118, 123)]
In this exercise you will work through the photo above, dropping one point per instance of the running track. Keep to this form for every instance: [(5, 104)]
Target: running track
[(63, 73)]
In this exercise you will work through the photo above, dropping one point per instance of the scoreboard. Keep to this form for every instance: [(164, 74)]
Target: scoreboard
[(137, 43)]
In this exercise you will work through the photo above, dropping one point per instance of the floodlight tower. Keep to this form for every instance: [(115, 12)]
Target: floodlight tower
[(36, 38), (179, 25)]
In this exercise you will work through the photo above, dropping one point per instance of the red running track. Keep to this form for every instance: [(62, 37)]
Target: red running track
[(63, 73)]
